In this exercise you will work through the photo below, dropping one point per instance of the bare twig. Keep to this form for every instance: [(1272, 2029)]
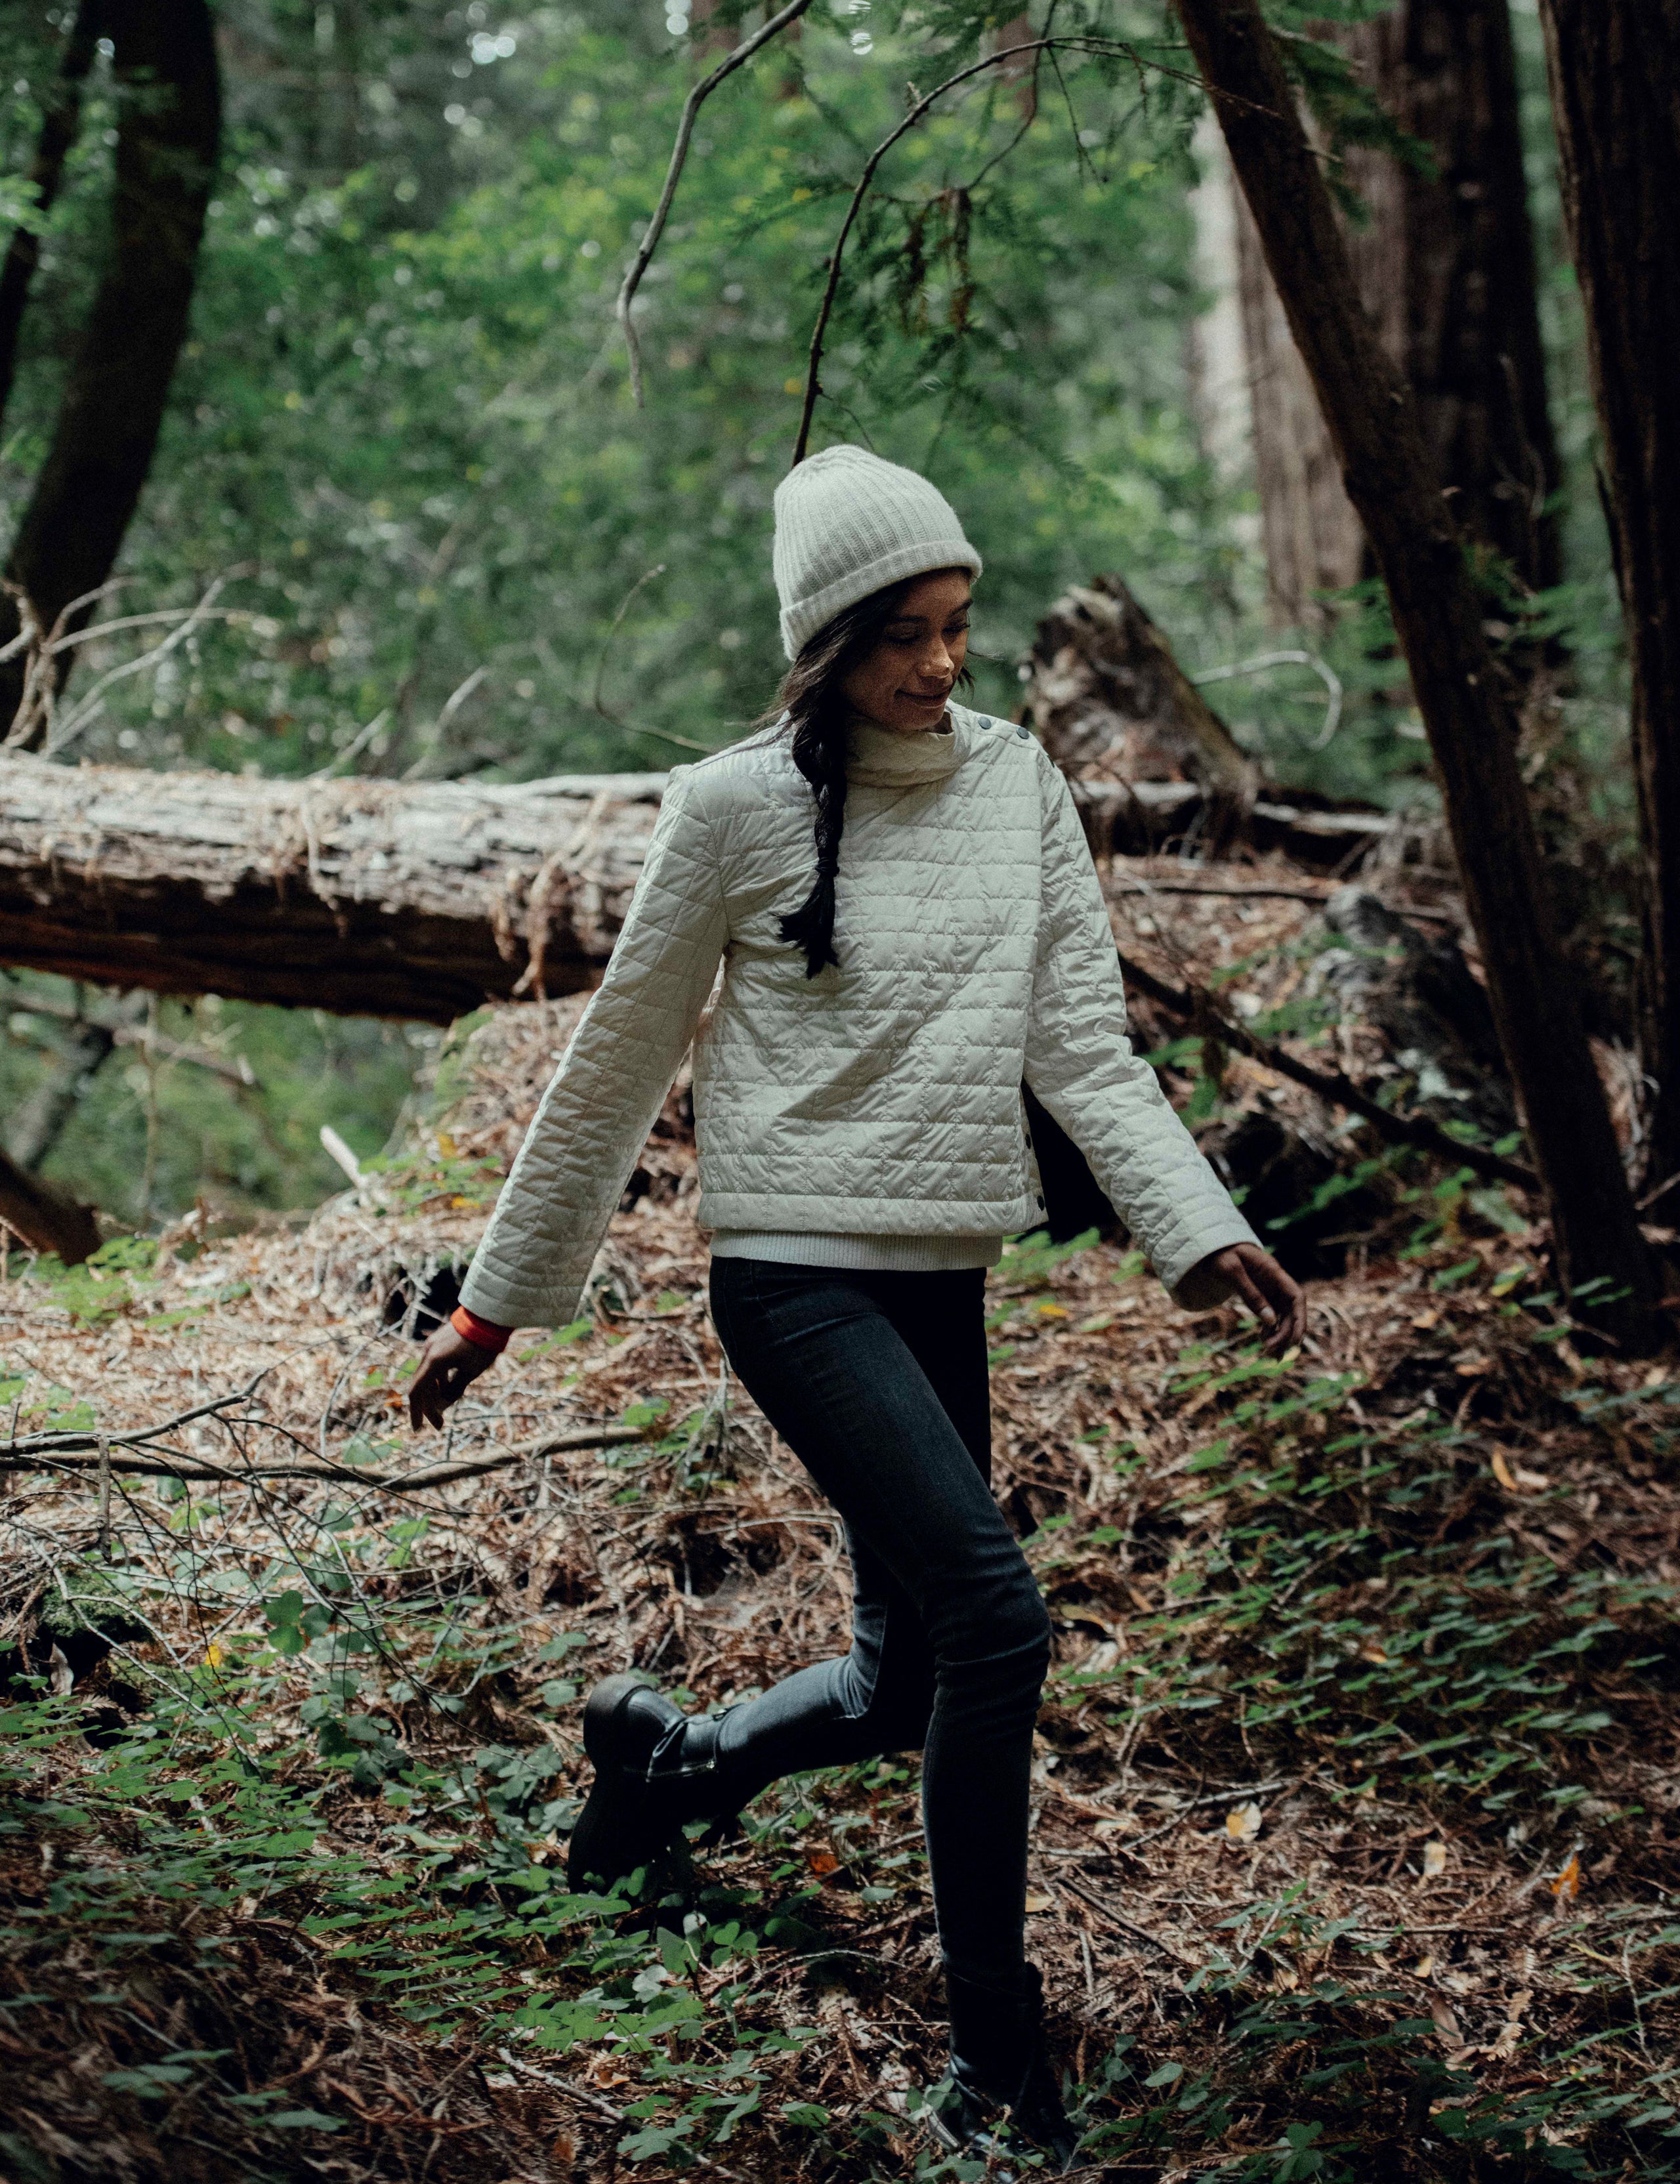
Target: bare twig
[(451, 705), (1325, 672), (128, 1034), (597, 695), (104, 1494), (56, 1443), (587, 2097), (94, 631), (1114, 1920), (356, 745), (685, 130), (88, 708), (40, 683)]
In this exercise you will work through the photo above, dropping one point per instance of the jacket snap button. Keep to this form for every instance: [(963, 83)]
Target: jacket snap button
[(1041, 1202), (1026, 734)]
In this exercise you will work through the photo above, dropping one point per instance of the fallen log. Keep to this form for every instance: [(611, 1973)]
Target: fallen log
[(366, 898), (397, 899)]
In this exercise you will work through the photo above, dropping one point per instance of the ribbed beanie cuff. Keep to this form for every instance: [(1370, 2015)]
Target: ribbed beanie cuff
[(847, 524)]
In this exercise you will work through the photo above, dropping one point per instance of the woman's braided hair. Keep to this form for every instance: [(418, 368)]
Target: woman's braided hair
[(812, 708)]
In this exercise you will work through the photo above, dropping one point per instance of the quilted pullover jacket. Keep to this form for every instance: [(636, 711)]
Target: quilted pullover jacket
[(883, 1095)]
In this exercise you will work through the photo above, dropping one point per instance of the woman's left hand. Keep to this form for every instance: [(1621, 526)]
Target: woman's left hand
[(448, 1365), (1274, 1298)]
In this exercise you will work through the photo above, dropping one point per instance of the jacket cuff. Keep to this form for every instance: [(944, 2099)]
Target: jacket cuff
[(1192, 1284), (484, 1332)]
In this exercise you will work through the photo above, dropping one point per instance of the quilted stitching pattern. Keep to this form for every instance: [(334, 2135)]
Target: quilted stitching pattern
[(883, 1095)]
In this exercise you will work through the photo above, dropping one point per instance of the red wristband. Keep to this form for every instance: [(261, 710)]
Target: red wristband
[(484, 1332)]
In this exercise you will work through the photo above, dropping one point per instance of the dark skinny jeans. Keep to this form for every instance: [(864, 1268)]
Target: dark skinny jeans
[(877, 1382)]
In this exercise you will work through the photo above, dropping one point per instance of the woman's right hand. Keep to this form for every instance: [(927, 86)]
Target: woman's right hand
[(448, 1365)]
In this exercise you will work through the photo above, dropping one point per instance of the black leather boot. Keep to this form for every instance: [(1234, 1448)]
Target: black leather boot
[(999, 2070), (655, 1768)]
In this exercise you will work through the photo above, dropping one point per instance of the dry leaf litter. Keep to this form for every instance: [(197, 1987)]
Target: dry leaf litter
[(1355, 1800)]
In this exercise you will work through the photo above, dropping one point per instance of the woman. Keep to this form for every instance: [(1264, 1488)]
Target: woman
[(863, 1152)]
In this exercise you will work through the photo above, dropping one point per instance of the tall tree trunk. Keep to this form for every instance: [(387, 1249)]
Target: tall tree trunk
[(1215, 361), (1446, 269), (40, 1122), (1461, 693), (1445, 266), (42, 1217), (1313, 540), (168, 133), (61, 112), (1615, 70)]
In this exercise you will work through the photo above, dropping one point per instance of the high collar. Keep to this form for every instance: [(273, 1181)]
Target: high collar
[(882, 758)]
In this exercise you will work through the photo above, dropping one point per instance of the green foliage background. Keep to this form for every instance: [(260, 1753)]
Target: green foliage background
[(402, 432)]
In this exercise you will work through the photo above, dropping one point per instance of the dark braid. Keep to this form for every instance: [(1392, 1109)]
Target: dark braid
[(819, 754), (813, 709)]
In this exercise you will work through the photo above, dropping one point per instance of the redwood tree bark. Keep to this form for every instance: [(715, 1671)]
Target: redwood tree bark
[(1446, 269), (1373, 420), (1313, 540), (1445, 266), (1615, 70), (168, 133)]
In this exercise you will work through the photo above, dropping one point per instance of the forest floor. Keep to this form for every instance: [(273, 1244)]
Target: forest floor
[(1356, 1806)]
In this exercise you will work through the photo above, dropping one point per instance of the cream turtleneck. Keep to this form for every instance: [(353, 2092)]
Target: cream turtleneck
[(891, 758)]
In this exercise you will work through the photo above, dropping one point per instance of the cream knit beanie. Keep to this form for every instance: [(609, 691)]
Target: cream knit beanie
[(847, 524)]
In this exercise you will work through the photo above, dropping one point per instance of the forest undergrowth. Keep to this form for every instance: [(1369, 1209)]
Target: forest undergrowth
[(1355, 1801)]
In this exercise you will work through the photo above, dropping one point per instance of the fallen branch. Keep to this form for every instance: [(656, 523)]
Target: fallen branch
[(1197, 1005), (55, 1442), (1319, 896), (374, 898), (1262, 660), (66, 1453), (1127, 818)]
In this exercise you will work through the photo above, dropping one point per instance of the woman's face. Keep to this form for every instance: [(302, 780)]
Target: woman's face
[(903, 684)]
